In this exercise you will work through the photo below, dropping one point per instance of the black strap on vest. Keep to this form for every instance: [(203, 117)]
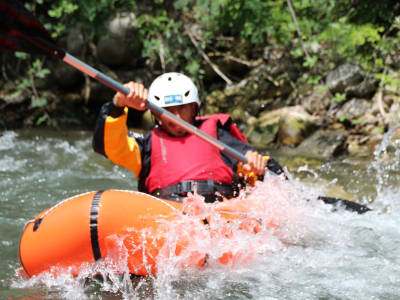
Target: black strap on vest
[(210, 189)]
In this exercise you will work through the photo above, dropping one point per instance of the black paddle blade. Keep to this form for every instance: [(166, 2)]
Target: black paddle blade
[(348, 205), (20, 31)]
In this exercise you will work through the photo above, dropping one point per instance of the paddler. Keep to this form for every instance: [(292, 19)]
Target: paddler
[(169, 162)]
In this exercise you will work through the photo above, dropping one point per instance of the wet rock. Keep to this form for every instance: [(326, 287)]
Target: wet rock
[(122, 25), (99, 94), (255, 93), (75, 41), (288, 126), (112, 51), (120, 46), (394, 114), (324, 144), (269, 85), (11, 96), (262, 134), (295, 125), (66, 76), (352, 81), (344, 76), (354, 109), (278, 61), (365, 88), (316, 103), (395, 136), (359, 146)]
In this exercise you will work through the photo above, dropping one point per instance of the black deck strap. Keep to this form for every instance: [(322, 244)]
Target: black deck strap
[(94, 235)]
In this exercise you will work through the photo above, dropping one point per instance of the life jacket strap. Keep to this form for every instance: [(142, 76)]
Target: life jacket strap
[(210, 189)]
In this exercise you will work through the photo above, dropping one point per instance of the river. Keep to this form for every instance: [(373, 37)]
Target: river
[(327, 255)]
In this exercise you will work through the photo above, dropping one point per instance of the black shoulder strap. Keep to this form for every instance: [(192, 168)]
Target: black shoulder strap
[(146, 163)]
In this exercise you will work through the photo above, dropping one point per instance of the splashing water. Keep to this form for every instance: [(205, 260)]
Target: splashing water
[(280, 242), (231, 235), (385, 167)]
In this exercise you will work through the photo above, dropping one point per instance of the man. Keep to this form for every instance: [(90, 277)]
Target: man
[(169, 162)]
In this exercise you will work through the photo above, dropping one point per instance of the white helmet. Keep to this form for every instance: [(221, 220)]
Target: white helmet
[(172, 89)]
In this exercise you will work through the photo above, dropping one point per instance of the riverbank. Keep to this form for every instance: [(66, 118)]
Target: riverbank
[(269, 108)]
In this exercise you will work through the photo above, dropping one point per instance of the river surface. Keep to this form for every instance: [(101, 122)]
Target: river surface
[(319, 254)]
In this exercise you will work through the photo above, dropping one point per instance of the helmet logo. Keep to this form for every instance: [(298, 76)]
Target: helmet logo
[(173, 99)]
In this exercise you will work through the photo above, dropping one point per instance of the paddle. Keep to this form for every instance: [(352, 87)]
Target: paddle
[(20, 31)]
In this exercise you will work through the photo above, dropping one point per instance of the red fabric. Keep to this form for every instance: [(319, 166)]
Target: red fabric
[(175, 159), (224, 118)]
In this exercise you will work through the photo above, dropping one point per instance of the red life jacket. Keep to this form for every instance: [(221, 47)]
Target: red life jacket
[(176, 159)]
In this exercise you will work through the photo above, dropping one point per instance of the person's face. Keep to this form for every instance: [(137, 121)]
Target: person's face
[(186, 112)]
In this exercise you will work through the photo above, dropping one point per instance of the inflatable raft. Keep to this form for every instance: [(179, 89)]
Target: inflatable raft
[(105, 225)]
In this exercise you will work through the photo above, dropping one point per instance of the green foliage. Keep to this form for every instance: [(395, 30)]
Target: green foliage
[(34, 72), (61, 8), (21, 55), (310, 61), (162, 37), (388, 80), (314, 80), (37, 69), (380, 129), (38, 101), (320, 89), (346, 39), (338, 98), (345, 119), (59, 15), (364, 32)]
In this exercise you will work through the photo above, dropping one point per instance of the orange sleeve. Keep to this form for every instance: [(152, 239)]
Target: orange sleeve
[(120, 148)]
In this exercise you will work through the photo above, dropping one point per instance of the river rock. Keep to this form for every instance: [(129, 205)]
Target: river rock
[(324, 144), (11, 95), (295, 125), (122, 25), (113, 51), (75, 41), (120, 45), (394, 114), (255, 92), (288, 125), (343, 77), (278, 61), (260, 134), (363, 89), (317, 102), (354, 109), (358, 146), (66, 76)]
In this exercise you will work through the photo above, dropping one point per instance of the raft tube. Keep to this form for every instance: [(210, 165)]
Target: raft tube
[(96, 225), (77, 231)]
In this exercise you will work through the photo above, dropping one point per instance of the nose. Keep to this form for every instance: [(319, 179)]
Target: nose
[(175, 111)]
